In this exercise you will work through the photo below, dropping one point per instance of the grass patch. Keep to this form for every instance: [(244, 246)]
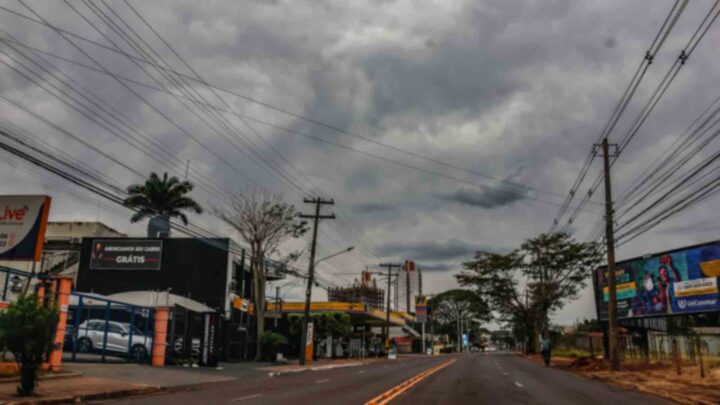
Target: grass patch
[(565, 352)]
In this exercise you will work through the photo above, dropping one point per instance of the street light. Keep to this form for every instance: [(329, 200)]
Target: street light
[(335, 254), (308, 294)]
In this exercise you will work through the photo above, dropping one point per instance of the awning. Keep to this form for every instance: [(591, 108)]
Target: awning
[(359, 313), (156, 299)]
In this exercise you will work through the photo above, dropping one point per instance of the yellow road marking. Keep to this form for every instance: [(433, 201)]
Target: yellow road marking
[(393, 392)]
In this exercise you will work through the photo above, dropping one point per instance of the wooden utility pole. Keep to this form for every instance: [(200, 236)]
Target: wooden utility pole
[(389, 266), (319, 202), (614, 347)]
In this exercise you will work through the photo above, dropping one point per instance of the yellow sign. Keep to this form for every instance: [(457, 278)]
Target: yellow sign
[(711, 268)]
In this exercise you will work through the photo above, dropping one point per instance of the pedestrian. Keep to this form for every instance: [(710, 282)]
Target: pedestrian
[(546, 349)]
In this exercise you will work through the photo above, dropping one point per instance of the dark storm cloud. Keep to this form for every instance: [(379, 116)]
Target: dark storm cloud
[(430, 250), (490, 198)]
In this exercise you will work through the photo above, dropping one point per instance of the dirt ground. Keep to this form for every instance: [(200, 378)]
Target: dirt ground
[(656, 378)]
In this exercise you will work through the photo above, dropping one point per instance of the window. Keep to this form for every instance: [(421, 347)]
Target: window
[(115, 328)]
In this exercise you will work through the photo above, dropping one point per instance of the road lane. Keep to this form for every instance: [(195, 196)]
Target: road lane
[(503, 378), (351, 385), (494, 379)]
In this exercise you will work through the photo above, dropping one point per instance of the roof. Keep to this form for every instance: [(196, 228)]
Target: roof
[(359, 313), (156, 299)]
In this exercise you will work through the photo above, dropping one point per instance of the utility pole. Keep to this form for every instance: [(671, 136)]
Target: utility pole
[(422, 325), (319, 202), (387, 309), (407, 287), (610, 240)]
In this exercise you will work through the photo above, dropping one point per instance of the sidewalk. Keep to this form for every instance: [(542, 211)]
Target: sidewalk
[(322, 364), (68, 390), (101, 381)]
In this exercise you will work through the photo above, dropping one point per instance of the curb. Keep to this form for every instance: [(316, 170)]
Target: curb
[(317, 368)]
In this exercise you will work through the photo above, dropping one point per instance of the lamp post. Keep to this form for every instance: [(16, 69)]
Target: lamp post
[(308, 294), (334, 254)]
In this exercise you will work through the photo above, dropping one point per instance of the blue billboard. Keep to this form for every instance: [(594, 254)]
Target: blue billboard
[(681, 281)]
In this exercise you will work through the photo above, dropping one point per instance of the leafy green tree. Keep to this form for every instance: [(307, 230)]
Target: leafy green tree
[(264, 221), (335, 324), (163, 198), (452, 307), (29, 334), (541, 276)]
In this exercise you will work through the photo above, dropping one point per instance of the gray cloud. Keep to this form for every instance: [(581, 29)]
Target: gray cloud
[(491, 198), (484, 85), (430, 250), (372, 208)]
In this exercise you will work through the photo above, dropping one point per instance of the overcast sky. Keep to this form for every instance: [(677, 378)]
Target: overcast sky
[(510, 90)]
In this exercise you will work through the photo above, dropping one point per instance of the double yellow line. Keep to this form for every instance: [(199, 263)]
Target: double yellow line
[(393, 392)]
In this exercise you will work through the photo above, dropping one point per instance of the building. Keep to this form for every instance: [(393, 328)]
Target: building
[(364, 292)]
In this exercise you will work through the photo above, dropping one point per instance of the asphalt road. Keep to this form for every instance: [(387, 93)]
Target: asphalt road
[(472, 379)]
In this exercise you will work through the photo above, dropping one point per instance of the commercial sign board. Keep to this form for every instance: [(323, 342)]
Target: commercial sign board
[(421, 308), (209, 340), (23, 221), (126, 254), (681, 281)]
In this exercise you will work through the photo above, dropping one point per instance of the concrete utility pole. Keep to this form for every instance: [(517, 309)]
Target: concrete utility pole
[(614, 348), (387, 309), (319, 202)]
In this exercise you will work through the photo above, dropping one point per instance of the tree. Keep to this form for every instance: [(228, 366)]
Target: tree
[(525, 286), (335, 324), (161, 198), (29, 333), (325, 324), (452, 307), (264, 221)]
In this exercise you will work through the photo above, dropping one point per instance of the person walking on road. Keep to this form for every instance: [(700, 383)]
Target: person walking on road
[(546, 349)]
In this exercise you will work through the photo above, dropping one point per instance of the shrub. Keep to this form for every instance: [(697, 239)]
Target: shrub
[(29, 333), (273, 343)]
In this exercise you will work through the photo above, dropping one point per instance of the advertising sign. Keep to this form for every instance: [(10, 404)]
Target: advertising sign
[(23, 220), (209, 340), (309, 341), (126, 254), (677, 282), (421, 308)]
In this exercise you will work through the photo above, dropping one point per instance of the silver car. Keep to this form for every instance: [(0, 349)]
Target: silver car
[(90, 336)]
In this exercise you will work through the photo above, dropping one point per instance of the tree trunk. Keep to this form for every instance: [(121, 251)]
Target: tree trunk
[(259, 284)]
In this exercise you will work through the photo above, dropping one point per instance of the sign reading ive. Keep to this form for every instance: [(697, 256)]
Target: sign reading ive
[(23, 219), (126, 254)]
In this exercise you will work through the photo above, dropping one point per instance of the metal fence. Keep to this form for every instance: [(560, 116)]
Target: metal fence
[(100, 330)]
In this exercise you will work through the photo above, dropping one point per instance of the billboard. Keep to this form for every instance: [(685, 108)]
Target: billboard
[(681, 281), (23, 220), (421, 308), (126, 254)]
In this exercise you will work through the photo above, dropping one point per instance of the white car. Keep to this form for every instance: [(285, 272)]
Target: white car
[(90, 336)]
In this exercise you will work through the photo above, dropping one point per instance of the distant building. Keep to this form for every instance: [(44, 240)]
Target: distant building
[(62, 244), (363, 292)]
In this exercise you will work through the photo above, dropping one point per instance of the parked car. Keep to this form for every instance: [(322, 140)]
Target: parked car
[(90, 336)]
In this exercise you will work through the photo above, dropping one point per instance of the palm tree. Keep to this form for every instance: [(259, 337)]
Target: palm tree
[(161, 199)]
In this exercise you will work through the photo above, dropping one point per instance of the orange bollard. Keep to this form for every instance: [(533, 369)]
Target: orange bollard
[(63, 287), (41, 293), (160, 338)]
